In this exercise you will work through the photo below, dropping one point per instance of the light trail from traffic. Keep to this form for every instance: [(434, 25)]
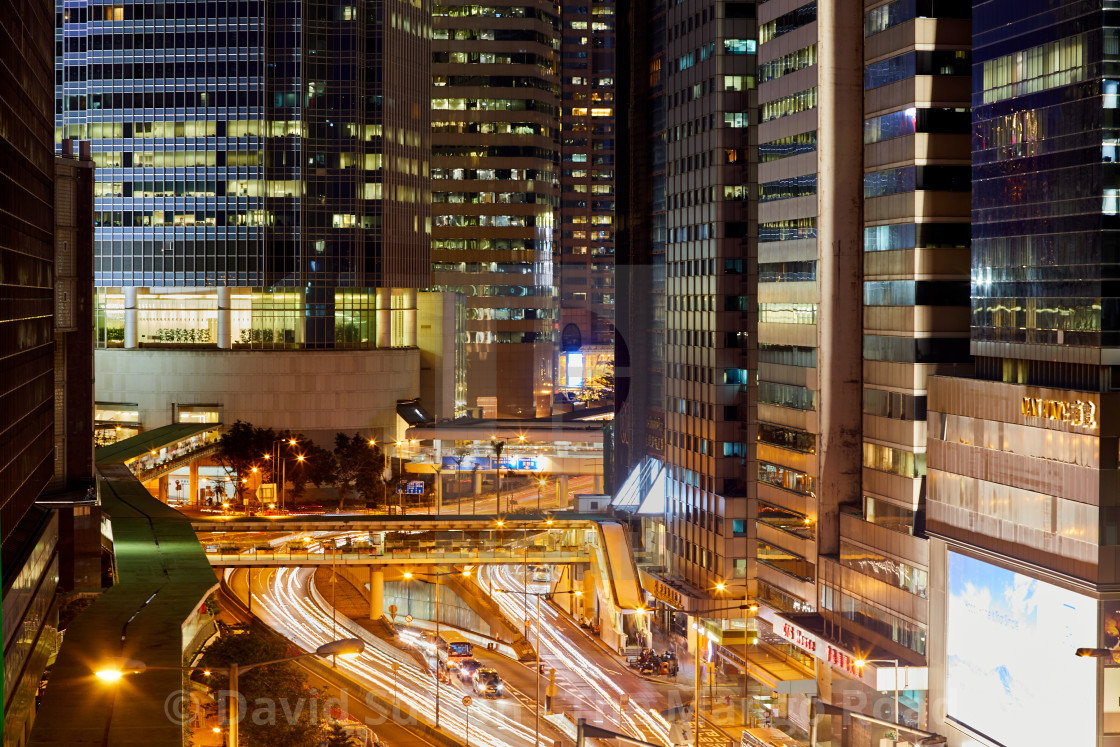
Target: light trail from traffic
[(286, 604), (641, 721)]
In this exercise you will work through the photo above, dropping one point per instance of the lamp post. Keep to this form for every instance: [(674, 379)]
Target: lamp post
[(751, 609), (860, 663), (497, 446), (115, 669), (283, 465)]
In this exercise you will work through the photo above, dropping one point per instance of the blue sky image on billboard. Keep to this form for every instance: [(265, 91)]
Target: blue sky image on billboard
[(1012, 674)]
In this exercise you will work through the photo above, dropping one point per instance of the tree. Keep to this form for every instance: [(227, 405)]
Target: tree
[(334, 735), (312, 464), (358, 466), (240, 449), (597, 389), (277, 708)]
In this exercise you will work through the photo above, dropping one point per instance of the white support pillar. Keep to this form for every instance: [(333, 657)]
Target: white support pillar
[(598, 479), (224, 330), (476, 483), (384, 318), (131, 332), (563, 499)]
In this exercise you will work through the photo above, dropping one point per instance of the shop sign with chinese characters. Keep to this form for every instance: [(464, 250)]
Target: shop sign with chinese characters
[(797, 636), (841, 660)]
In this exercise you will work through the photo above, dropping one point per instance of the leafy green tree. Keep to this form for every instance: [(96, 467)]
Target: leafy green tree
[(277, 704), (597, 389), (241, 448), (358, 466), (334, 735), (312, 464)]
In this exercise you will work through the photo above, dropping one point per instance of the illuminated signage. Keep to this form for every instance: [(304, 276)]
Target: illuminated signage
[(841, 660), (575, 369), (797, 637), (666, 594), (1081, 413)]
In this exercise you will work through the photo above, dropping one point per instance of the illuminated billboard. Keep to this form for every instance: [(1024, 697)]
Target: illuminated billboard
[(1012, 675), (575, 369)]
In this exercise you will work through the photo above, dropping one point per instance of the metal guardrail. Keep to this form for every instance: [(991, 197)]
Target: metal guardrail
[(241, 558), (171, 465)]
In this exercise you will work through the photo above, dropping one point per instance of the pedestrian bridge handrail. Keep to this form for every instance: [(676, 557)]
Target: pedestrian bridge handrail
[(240, 558)]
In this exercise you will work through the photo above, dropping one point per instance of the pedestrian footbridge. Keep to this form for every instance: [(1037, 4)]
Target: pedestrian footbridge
[(593, 545)]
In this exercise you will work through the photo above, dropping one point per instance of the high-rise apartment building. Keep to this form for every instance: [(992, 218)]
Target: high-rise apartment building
[(585, 271), (262, 191), (1022, 466), (495, 185)]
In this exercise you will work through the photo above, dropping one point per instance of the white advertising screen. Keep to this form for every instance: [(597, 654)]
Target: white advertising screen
[(575, 369), (1012, 673)]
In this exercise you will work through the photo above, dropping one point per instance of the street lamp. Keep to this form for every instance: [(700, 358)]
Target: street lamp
[(860, 664), (114, 669), (497, 446), (751, 609), (283, 465)]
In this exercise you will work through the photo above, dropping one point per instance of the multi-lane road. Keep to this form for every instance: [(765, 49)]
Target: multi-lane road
[(592, 682)]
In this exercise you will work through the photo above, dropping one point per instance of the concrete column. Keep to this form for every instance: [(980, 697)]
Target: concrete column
[(477, 483), (410, 318), (598, 481), (376, 593), (193, 488), (839, 264), (224, 327), (163, 488), (439, 491), (131, 331), (384, 318), (563, 501)]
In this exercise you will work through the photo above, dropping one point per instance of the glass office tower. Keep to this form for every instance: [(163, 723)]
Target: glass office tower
[(495, 158), (1022, 464), (262, 171)]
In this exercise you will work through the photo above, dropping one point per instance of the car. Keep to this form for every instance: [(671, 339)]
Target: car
[(487, 683), (467, 668)]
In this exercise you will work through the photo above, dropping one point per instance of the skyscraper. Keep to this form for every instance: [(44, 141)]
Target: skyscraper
[(684, 322), (495, 158), (262, 190), (585, 272), (45, 440), (1022, 457)]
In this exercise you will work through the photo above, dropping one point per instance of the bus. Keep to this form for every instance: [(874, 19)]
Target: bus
[(452, 648)]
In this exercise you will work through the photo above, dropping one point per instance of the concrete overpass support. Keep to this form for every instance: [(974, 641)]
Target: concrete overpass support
[(163, 489), (439, 491), (194, 501), (376, 592), (477, 483), (562, 500), (598, 484)]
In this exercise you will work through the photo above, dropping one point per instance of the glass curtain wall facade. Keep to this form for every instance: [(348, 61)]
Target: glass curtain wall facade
[(1022, 464), (495, 100), (262, 168), (587, 175)]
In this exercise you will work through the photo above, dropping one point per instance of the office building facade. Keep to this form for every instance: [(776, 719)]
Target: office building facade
[(685, 324), (495, 186), (262, 192), (1022, 456), (585, 268)]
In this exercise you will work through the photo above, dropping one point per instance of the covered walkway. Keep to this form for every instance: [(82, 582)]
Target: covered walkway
[(152, 613)]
